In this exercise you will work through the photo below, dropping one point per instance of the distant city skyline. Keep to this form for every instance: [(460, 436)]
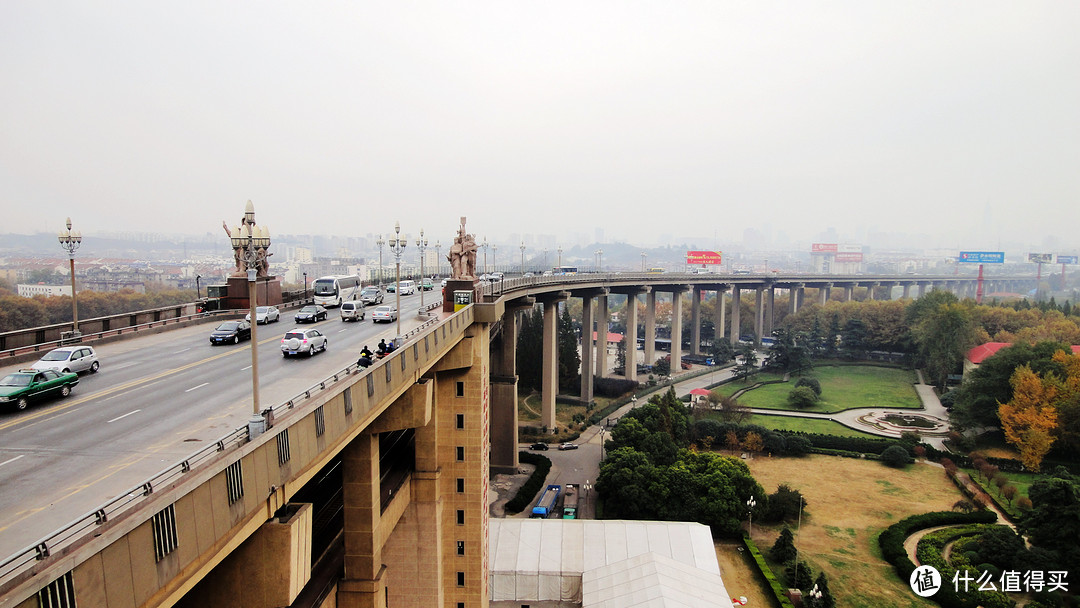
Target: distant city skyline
[(934, 124)]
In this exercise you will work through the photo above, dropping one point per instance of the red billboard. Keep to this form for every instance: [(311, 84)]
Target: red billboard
[(703, 257), (823, 248)]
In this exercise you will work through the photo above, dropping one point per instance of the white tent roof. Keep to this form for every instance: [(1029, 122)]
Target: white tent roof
[(544, 560)]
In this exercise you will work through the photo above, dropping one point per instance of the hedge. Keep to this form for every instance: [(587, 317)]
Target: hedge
[(529, 490), (929, 552), (766, 572), (892, 539)]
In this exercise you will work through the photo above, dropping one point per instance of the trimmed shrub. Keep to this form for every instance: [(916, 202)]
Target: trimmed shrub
[(896, 456), (810, 382), (766, 572), (532, 487)]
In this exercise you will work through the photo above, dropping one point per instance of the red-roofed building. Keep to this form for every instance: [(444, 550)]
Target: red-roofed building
[(974, 357)]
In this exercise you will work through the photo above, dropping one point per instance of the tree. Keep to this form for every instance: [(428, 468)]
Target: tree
[(620, 353), (1030, 418), (662, 367), (784, 504), (787, 352), (798, 446), (896, 456), (731, 440), (569, 359), (1009, 492), (810, 382), (753, 442), (530, 348), (747, 365), (727, 408), (721, 350), (799, 575), (942, 336), (826, 600), (783, 550), (1053, 522), (802, 397), (990, 385)]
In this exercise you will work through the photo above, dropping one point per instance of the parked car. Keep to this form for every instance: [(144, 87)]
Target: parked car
[(29, 385), (69, 359), (231, 332), (540, 447), (265, 314), (352, 311), (298, 341), (567, 446), (384, 313), (371, 295), (310, 314)]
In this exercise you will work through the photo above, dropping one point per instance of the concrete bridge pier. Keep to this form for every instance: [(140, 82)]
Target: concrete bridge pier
[(770, 303), (650, 327), (719, 313), (549, 374), (630, 340), (907, 291), (504, 390), (602, 318), (736, 304), (676, 328), (759, 315), (849, 293), (695, 321)]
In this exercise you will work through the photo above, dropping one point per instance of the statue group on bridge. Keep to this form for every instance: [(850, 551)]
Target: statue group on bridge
[(462, 256)]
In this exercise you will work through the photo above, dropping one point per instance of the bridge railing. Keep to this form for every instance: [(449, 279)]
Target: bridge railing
[(85, 525)]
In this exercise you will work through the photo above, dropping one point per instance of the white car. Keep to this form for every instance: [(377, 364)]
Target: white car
[(298, 341), (384, 313), (265, 314), (69, 359)]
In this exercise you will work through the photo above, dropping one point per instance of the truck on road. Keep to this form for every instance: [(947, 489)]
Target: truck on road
[(545, 505)]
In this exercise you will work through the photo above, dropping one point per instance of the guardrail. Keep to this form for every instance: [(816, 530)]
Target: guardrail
[(239, 436)]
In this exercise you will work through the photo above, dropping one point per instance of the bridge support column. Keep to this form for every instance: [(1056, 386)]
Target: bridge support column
[(549, 375), (587, 350), (650, 328), (695, 321), (736, 304), (364, 585), (921, 291), (719, 314), (676, 332), (770, 303), (823, 295), (602, 318), (630, 341), (870, 292), (504, 392), (907, 291), (759, 315), (849, 292)]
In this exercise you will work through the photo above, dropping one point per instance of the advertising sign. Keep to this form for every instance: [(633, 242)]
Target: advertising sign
[(1066, 259), (848, 256), (703, 257), (982, 257), (823, 248), (1040, 258)]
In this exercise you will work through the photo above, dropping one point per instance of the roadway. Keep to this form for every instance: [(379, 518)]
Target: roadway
[(156, 400)]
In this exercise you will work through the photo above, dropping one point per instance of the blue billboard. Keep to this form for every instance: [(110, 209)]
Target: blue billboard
[(982, 257), (1066, 259)]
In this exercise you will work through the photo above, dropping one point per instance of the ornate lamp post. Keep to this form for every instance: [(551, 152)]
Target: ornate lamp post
[(543, 264), (643, 261), (380, 242), (522, 258), (397, 247), (70, 241), (198, 288), (251, 242), (305, 286), (494, 251), (438, 258), (750, 504), (599, 260), (485, 246), (421, 244)]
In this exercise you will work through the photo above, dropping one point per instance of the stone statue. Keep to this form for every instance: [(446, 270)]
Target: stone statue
[(462, 256), (240, 254)]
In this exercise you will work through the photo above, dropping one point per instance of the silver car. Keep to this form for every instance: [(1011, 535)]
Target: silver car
[(265, 314), (384, 313), (69, 359), (298, 341)]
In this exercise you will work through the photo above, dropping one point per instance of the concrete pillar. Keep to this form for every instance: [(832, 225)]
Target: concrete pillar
[(870, 292), (736, 304), (364, 584), (650, 328), (630, 341), (849, 292), (587, 349), (504, 393), (921, 291), (695, 321), (823, 295), (549, 375), (602, 318), (770, 303), (719, 314), (759, 315), (907, 291), (676, 332)]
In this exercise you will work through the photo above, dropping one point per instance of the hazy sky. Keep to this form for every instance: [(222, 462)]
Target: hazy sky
[(960, 119)]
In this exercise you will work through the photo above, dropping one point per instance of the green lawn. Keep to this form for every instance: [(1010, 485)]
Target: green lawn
[(842, 387), (808, 425), (1022, 481)]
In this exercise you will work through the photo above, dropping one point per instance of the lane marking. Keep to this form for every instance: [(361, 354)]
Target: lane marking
[(183, 350), (12, 459), (195, 387), (244, 369), (124, 416)]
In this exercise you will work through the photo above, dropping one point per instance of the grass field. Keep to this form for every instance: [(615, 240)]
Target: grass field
[(842, 387), (808, 425), (849, 503)]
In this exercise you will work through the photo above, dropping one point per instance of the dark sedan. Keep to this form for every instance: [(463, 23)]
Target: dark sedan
[(310, 314), (29, 385), (231, 332)]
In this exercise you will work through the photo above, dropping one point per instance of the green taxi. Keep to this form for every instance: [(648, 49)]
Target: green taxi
[(29, 385)]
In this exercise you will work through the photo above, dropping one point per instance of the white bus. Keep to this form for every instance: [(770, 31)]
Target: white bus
[(564, 270), (332, 291)]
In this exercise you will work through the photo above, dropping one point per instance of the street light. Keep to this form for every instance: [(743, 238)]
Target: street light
[(601, 443), (599, 260), (560, 254), (198, 289), (522, 258), (643, 261), (305, 286), (438, 258), (750, 504), (70, 241), (397, 247), (252, 241), (421, 243), (485, 246), (494, 264), (380, 242)]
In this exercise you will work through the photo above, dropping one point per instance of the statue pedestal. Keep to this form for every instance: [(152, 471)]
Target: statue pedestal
[(267, 292), (453, 285)]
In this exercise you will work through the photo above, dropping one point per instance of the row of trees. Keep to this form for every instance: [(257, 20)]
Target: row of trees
[(17, 312), (530, 355)]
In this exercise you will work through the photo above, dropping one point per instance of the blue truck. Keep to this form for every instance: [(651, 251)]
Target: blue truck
[(545, 505)]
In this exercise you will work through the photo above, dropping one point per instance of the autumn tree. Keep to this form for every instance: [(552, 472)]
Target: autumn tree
[(942, 336), (753, 442), (1030, 418)]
